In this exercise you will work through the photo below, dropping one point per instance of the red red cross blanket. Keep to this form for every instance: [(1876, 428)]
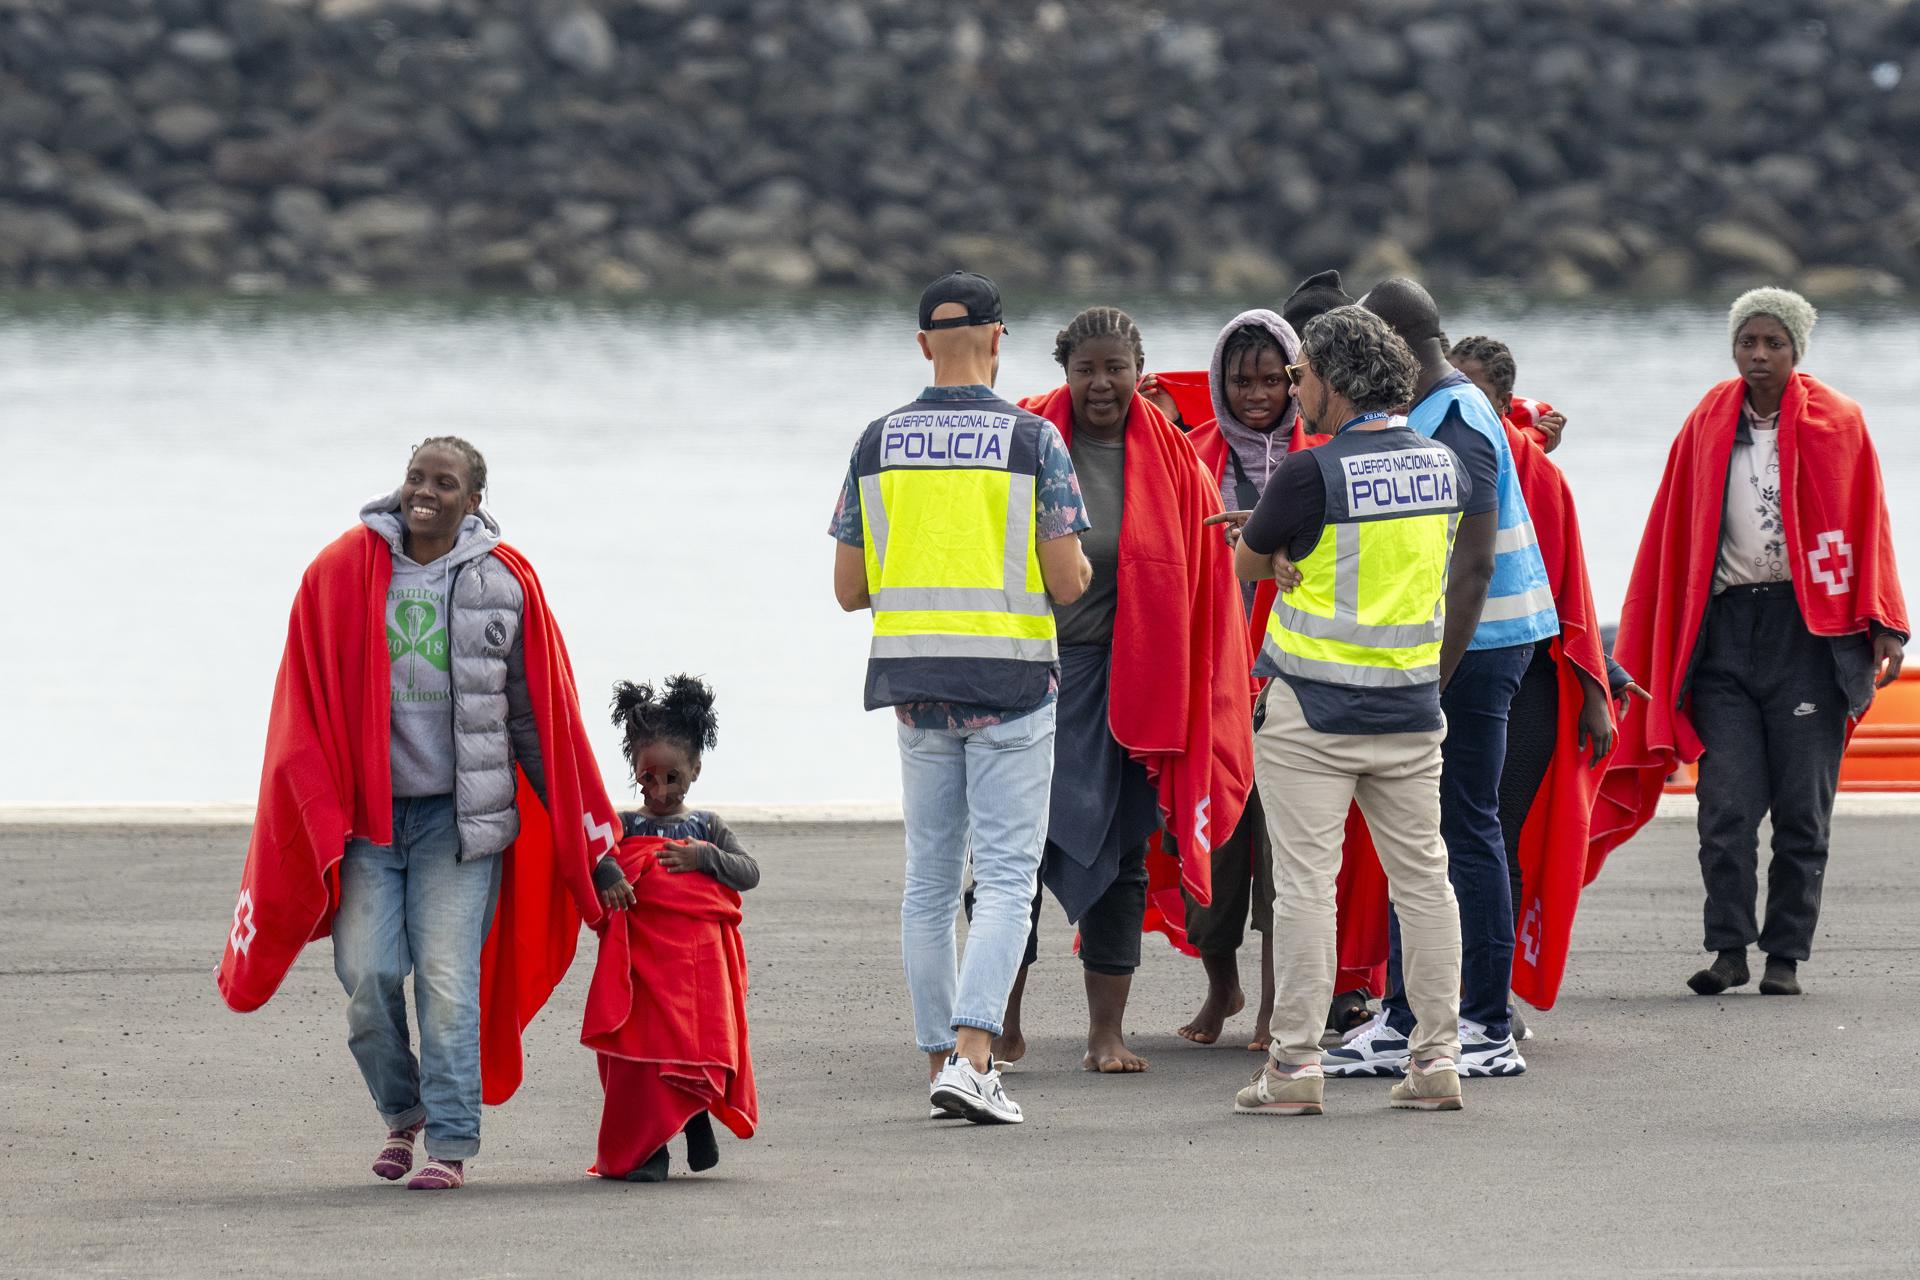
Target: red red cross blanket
[(1839, 555), (326, 779)]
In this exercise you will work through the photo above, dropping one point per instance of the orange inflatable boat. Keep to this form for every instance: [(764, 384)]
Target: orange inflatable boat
[(1884, 752)]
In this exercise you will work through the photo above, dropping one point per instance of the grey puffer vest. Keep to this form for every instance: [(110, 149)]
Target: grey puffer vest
[(493, 724)]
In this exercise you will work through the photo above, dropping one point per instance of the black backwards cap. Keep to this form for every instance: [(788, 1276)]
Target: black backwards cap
[(979, 295)]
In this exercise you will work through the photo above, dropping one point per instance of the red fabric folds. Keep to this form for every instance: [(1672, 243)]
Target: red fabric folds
[(1178, 700), (1553, 841), (326, 778), (667, 1011), (1839, 554)]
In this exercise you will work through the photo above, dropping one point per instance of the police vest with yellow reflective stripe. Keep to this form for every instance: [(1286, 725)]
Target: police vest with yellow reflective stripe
[(1359, 639), (960, 612)]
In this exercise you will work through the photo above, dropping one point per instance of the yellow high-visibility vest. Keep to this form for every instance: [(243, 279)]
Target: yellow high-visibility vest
[(1371, 606), (948, 507)]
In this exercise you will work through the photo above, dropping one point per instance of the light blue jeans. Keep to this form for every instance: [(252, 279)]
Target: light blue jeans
[(988, 789), (413, 906)]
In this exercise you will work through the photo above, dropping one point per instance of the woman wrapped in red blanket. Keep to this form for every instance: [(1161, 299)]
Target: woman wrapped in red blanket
[(1154, 725), (357, 834), (1560, 727), (1763, 609), (667, 1012)]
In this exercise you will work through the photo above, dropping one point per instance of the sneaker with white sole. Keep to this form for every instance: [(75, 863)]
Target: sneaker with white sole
[(1282, 1091), (1483, 1056), (1370, 1049), (1432, 1087), (974, 1095)]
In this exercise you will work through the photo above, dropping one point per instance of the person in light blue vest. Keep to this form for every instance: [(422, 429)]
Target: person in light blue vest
[(1497, 593)]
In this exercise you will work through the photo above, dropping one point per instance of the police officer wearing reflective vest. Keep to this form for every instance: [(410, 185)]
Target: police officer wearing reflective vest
[(1366, 522), (958, 527)]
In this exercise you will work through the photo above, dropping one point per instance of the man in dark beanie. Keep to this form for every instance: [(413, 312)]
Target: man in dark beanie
[(1318, 293)]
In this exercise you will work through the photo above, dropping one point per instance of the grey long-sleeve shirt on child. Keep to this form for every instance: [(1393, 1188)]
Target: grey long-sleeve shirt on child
[(725, 861)]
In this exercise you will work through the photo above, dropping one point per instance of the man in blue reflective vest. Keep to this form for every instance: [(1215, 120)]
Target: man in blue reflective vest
[(1497, 594)]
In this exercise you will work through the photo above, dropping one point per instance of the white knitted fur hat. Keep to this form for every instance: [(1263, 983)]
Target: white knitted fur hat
[(1794, 313)]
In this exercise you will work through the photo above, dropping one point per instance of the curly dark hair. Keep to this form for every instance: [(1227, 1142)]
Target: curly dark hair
[(1494, 356), (476, 465), (683, 714), (1360, 356), (1099, 322)]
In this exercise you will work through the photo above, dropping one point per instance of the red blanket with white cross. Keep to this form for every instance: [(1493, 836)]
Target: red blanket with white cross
[(327, 778), (1839, 554)]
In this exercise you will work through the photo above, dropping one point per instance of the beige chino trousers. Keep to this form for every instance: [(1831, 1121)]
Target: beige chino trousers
[(1307, 781)]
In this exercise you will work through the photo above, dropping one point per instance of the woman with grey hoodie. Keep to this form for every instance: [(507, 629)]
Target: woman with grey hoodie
[(1252, 431), (461, 719)]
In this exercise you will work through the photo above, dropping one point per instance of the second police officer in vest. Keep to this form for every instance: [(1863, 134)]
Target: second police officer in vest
[(1500, 606), (1367, 522), (958, 525)]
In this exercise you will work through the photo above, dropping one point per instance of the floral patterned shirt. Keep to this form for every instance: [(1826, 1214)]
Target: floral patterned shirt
[(1059, 512), (1753, 538)]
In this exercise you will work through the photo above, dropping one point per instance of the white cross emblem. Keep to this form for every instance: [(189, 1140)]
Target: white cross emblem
[(1530, 933), (244, 930), (1200, 823), (1831, 561), (602, 831)]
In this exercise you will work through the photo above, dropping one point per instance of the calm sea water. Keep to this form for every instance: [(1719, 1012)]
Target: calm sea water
[(168, 469)]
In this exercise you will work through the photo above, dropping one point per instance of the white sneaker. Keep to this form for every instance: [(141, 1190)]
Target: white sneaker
[(1370, 1049), (935, 1111), (974, 1095), (1482, 1056)]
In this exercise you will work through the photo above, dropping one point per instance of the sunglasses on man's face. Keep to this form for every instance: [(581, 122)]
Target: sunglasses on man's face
[(1295, 372)]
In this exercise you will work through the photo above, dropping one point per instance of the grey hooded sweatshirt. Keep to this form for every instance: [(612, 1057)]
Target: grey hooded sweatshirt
[(461, 715), (1259, 453)]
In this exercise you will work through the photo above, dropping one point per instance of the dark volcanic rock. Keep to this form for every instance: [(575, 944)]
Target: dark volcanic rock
[(623, 145)]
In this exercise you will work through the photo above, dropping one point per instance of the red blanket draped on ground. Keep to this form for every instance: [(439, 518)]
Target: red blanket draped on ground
[(327, 778), (1178, 700), (667, 1011), (1839, 553), (1553, 841)]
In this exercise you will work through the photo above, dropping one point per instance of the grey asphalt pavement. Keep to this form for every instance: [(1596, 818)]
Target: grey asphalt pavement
[(145, 1130)]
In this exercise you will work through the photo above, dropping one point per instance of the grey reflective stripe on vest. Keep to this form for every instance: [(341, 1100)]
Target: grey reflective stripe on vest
[(952, 646), (1012, 597), (1518, 538), (876, 513), (969, 599), (1345, 624), (1315, 627), (1345, 673), (1524, 605)]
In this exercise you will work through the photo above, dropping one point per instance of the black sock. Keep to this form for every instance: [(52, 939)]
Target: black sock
[(703, 1152), (654, 1170)]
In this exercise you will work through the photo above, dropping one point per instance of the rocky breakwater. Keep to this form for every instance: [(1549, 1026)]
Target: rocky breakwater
[(624, 145)]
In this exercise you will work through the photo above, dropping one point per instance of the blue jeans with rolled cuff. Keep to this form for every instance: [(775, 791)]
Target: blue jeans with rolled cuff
[(414, 907)]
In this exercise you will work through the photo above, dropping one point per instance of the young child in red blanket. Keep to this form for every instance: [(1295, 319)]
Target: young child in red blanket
[(667, 1011)]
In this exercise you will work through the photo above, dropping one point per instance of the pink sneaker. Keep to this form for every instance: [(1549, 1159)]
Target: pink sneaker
[(439, 1175), (395, 1160)]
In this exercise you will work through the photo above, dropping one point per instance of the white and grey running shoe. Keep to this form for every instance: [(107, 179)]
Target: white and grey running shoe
[(1371, 1049), (974, 1095), (1481, 1056)]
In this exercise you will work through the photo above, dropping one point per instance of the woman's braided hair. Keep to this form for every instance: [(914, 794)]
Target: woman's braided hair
[(1099, 322), (1494, 356), (684, 714), (1248, 340), (476, 465)]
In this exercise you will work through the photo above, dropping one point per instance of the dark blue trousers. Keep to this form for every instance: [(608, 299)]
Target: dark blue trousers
[(1476, 703)]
